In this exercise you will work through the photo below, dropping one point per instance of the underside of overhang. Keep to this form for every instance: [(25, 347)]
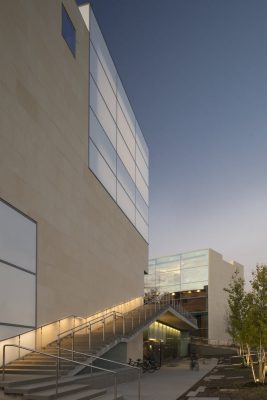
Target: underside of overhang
[(176, 320)]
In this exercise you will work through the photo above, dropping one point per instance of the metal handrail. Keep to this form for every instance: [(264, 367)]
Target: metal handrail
[(84, 325), (58, 358), (111, 361), (100, 358), (88, 325)]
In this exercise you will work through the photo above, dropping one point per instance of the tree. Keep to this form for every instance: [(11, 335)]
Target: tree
[(258, 317), (152, 295), (247, 318), (238, 304)]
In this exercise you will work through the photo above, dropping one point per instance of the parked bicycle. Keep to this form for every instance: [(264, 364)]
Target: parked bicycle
[(152, 365), (146, 365)]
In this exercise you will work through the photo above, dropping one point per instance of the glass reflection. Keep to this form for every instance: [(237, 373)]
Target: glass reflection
[(187, 271)]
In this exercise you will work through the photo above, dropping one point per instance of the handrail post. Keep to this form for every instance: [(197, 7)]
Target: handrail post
[(58, 354), (114, 323), (132, 321), (115, 386), (19, 346), (56, 377), (103, 322), (89, 336), (139, 384), (4, 362), (123, 325), (72, 346), (41, 340)]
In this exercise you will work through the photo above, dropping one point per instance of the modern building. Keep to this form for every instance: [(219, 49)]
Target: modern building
[(196, 279), (74, 181)]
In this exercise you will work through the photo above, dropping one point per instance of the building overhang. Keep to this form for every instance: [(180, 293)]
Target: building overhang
[(176, 320)]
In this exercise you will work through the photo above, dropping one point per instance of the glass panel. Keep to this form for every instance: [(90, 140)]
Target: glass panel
[(141, 206), (125, 179), (125, 156), (163, 260), (17, 296), (102, 51), (141, 226), (194, 259), (141, 142), (150, 280), (17, 238), (102, 112), (170, 278), (102, 82), (125, 203), (171, 266), (68, 31), (125, 131), (101, 169), (102, 142), (193, 285), (143, 168), (194, 275), (141, 186), (170, 288), (125, 105)]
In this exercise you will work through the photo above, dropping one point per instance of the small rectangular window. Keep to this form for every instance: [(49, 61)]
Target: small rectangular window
[(68, 31)]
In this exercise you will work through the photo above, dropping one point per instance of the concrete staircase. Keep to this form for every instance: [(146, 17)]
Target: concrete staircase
[(41, 367), (69, 388), (43, 364)]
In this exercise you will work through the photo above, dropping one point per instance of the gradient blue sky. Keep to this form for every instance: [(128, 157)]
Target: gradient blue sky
[(196, 75)]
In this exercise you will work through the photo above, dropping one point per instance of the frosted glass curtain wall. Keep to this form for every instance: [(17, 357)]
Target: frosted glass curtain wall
[(181, 272), (118, 154), (17, 272)]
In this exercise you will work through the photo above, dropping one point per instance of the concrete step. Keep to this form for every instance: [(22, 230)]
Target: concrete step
[(12, 380), (86, 394), (36, 356), (32, 371), (63, 391), (40, 361), (109, 396), (38, 366), (33, 386)]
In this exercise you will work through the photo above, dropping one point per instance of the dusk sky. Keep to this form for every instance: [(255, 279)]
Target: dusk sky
[(196, 75)]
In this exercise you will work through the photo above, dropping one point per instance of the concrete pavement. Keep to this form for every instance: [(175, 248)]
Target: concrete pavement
[(170, 382)]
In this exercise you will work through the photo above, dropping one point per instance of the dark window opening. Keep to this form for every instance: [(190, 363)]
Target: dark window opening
[(68, 31)]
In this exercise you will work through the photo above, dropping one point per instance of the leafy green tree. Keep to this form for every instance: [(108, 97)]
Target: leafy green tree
[(238, 309), (258, 317), (247, 318)]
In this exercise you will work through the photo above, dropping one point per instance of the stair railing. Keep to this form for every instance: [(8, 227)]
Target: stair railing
[(94, 357), (147, 310), (57, 361), (88, 327)]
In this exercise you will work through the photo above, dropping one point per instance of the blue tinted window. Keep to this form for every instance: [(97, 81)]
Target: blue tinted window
[(68, 31)]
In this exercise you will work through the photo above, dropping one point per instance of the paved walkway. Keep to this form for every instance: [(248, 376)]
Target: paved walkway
[(170, 382)]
